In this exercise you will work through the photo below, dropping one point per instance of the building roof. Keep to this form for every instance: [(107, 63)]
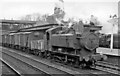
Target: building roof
[(40, 27), (17, 21)]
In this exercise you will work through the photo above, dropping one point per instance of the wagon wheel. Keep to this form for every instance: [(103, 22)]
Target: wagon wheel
[(40, 54), (45, 54), (49, 56), (27, 50), (77, 63), (37, 52)]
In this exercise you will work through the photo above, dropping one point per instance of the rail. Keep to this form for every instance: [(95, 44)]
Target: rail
[(53, 67), (15, 70), (108, 67)]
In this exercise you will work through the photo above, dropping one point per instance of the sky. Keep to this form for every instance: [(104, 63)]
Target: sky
[(102, 9)]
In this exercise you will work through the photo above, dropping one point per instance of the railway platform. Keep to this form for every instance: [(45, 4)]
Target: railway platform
[(113, 56), (108, 51)]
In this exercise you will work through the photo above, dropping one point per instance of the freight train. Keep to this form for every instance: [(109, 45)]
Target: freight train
[(75, 44)]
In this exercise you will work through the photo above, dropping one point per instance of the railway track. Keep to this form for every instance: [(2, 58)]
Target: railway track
[(11, 69), (75, 72), (108, 67), (23, 67), (46, 68)]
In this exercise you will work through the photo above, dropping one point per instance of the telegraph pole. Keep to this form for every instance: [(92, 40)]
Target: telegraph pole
[(113, 21), (111, 44)]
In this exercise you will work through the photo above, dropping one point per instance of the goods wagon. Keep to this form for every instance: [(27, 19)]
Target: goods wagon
[(16, 40), (8, 40), (36, 42), (3, 40), (12, 40), (25, 40)]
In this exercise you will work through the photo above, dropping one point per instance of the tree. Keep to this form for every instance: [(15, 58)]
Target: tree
[(35, 17), (94, 20)]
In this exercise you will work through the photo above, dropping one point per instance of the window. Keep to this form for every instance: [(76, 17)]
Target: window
[(47, 36)]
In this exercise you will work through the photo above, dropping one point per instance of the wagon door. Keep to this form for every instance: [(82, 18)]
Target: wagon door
[(16, 39), (3, 39)]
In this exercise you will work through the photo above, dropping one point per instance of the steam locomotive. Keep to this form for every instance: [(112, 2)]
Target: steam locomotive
[(74, 44)]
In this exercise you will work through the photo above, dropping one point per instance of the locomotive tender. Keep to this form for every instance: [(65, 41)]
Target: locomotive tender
[(76, 44)]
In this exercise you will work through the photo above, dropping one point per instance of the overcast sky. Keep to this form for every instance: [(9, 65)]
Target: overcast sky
[(73, 8)]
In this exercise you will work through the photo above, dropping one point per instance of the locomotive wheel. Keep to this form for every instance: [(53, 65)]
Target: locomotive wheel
[(88, 64), (83, 65), (56, 58)]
